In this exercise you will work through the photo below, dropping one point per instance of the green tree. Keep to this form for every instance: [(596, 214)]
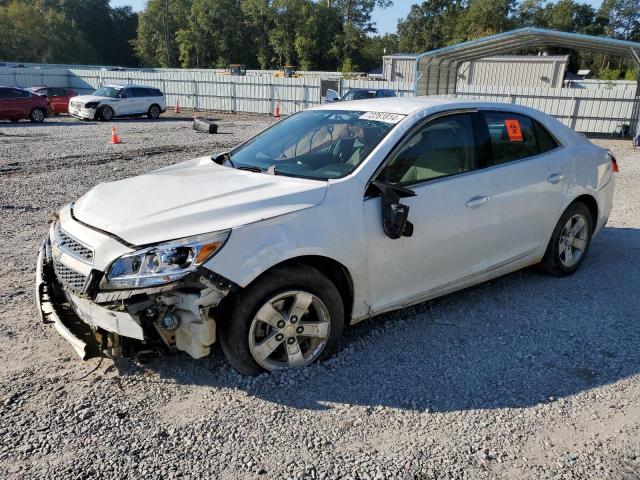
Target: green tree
[(317, 28), (430, 25), (155, 43), (33, 31)]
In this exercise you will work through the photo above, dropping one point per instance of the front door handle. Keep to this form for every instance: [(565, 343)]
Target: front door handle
[(555, 178), (475, 202)]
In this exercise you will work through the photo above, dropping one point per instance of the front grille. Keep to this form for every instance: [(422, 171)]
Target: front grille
[(70, 278), (73, 247)]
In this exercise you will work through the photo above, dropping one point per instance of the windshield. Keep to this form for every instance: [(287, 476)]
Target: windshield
[(318, 144), (107, 92), (359, 95)]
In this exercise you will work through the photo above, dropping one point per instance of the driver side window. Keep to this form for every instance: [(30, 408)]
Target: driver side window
[(443, 147)]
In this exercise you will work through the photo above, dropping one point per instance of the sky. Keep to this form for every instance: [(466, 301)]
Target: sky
[(386, 19)]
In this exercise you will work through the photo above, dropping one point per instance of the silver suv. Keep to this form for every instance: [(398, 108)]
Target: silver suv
[(112, 101)]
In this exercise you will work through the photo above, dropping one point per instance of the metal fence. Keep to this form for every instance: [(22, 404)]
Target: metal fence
[(587, 109), (584, 110)]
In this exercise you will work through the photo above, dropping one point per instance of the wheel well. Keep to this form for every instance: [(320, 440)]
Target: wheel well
[(591, 204), (334, 271), (154, 105)]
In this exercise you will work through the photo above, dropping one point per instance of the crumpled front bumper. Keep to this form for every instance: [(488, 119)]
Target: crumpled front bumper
[(85, 341)]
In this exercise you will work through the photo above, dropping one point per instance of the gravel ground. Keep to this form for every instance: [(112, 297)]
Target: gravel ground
[(524, 377)]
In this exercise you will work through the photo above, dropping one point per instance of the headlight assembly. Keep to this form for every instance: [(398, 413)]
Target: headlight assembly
[(163, 263)]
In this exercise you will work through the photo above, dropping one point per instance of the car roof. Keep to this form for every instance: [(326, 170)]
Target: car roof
[(399, 105)]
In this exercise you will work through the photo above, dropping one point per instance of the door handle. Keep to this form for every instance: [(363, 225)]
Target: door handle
[(475, 202), (555, 178)]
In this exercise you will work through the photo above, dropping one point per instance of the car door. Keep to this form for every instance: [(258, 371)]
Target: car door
[(529, 185), (5, 112), (58, 99), (142, 99), (19, 103), (126, 104), (443, 162)]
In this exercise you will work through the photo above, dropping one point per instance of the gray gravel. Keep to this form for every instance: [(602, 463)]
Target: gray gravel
[(524, 377)]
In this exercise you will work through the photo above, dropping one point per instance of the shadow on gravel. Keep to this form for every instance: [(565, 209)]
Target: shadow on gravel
[(514, 342)]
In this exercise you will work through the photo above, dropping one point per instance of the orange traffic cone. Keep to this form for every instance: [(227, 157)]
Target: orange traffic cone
[(276, 110), (114, 136), (177, 106)]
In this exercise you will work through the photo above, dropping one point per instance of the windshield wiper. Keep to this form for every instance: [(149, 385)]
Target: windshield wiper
[(250, 168)]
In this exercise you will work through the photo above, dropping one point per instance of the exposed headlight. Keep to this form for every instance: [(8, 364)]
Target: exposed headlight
[(163, 263), (91, 105)]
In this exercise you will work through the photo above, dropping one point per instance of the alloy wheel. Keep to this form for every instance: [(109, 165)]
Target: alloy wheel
[(289, 330), (573, 240), (37, 115)]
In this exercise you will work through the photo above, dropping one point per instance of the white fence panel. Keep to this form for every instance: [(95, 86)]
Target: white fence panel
[(584, 110)]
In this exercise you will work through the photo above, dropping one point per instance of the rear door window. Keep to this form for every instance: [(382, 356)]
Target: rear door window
[(17, 93), (512, 136)]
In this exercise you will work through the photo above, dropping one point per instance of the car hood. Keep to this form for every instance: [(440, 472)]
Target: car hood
[(190, 198), (91, 98)]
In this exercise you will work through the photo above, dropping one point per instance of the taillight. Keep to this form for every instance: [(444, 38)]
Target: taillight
[(614, 162)]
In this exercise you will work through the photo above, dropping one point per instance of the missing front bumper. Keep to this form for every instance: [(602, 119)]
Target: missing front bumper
[(85, 341)]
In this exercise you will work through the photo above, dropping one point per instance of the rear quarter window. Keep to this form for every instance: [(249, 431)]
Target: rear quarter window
[(546, 142)]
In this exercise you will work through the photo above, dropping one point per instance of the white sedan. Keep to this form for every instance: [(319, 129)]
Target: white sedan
[(328, 217)]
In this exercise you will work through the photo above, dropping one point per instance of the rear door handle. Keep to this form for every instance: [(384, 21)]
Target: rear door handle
[(555, 178), (475, 202)]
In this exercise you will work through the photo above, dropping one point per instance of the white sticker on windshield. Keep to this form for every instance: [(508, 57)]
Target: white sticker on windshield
[(382, 117)]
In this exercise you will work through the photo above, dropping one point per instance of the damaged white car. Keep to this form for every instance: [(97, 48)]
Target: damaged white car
[(328, 217)]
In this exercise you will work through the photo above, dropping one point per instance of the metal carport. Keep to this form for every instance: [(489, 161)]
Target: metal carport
[(437, 70)]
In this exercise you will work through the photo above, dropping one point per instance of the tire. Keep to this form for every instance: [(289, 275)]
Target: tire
[(154, 112), (566, 250), (105, 114), (243, 334), (37, 115)]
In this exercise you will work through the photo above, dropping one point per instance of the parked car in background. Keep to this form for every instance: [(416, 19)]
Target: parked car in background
[(58, 97), (330, 216), (359, 94), (18, 104), (111, 101)]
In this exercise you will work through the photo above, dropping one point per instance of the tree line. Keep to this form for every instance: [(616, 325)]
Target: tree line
[(313, 34)]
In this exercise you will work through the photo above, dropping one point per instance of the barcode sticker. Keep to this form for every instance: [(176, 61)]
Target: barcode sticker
[(382, 117)]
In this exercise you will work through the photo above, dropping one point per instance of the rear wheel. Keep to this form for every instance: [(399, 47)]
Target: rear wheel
[(154, 112), (105, 114), (36, 115), (570, 241), (288, 319)]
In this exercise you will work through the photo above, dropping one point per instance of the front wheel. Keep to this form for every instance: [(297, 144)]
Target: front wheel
[(288, 319), (105, 114), (36, 115), (570, 241)]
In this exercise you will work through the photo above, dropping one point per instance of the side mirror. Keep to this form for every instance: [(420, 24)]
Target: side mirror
[(332, 96), (394, 214)]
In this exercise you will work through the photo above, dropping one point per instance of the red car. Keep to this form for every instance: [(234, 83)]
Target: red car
[(17, 103), (58, 97)]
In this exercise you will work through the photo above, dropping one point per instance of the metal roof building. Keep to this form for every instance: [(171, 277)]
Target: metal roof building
[(437, 70)]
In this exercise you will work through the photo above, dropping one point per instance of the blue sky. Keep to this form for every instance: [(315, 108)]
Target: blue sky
[(385, 19)]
